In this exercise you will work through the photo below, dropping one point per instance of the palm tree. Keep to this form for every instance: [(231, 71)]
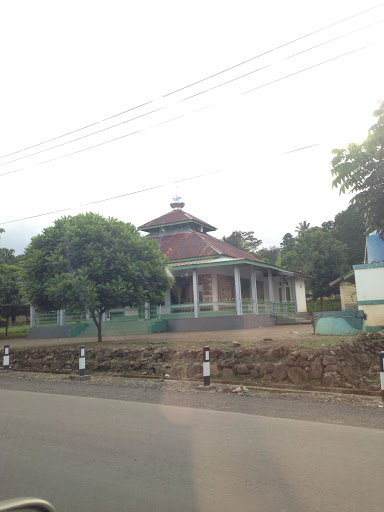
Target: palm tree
[(302, 228)]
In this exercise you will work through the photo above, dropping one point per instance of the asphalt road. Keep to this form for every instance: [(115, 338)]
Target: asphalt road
[(94, 454)]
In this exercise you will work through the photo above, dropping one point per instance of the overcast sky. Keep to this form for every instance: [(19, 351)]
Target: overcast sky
[(66, 65)]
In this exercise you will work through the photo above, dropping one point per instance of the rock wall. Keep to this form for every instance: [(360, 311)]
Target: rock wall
[(350, 364)]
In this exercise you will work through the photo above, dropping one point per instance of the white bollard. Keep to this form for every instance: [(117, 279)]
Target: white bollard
[(82, 361), (6, 358), (206, 367)]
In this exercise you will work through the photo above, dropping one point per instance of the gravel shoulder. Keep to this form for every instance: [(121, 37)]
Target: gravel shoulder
[(352, 410)]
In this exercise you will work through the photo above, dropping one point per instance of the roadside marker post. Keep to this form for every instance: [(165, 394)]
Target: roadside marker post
[(82, 361), (207, 367), (6, 358), (381, 355)]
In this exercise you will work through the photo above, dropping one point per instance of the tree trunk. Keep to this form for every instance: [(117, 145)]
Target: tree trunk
[(97, 322), (322, 303), (6, 327), (99, 326)]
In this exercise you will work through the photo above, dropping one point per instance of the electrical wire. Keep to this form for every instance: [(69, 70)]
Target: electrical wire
[(306, 69), (178, 117), (83, 137), (90, 147), (136, 191), (199, 81)]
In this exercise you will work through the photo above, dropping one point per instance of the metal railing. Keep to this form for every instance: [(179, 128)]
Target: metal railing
[(225, 308), (206, 309)]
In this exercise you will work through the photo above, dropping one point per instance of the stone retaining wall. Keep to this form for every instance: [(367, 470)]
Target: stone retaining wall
[(350, 364)]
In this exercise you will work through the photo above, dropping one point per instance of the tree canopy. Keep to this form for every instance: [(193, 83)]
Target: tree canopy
[(302, 227), (318, 254), (88, 262), (244, 240), (11, 301), (360, 169)]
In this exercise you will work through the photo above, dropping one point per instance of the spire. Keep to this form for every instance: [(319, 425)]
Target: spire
[(177, 203)]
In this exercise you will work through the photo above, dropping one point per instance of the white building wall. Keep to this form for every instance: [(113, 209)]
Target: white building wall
[(370, 292), (300, 295)]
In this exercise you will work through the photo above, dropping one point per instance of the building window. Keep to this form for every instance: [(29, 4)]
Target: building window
[(205, 288), (226, 287)]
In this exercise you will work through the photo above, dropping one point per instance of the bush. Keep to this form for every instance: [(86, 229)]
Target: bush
[(329, 305)]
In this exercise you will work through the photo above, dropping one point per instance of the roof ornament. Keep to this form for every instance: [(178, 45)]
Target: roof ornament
[(177, 203)]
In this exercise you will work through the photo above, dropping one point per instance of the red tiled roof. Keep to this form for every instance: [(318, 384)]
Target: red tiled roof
[(173, 217), (195, 245)]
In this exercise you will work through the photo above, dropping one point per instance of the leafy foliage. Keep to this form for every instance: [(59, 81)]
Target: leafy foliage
[(11, 301), (318, 254), (360, 169), (91, 263), (288, 243), (302, 227), (349, 229), (244, 240), (269, 254)]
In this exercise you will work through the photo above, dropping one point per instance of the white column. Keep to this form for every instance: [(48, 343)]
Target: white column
[(32, 316), (270, 287), (239, 308), (215, 292), (103, 317), (283, 294), (147, 310), (167, 303), (254, 291), (293, 292), (195, 293), (61, 316)]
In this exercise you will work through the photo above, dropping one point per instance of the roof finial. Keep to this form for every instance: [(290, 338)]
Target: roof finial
[(177, 203)]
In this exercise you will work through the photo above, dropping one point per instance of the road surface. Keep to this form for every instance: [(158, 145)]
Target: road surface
[(94, 454)]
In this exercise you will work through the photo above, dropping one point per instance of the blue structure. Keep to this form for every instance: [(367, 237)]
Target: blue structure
[(339, 322), (375, 248)]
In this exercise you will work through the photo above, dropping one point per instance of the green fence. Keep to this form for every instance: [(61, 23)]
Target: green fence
[(224, 308)]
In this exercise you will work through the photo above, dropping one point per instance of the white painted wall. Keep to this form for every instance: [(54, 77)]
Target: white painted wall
[(370, 283), (300, 295), (370, 286)]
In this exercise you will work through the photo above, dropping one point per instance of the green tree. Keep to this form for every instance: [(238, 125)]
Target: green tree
[(360, 169), (11, 301), (329, 225), (244, 240), (349, 229), (318, 254), (288, 243), (91, 263), (269, 254), (302, 228)]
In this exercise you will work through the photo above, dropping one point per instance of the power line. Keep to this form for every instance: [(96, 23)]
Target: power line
[(90, 147), (115, 197), (187, 98), (334, 39), (178, 117), (136, 191), (83, 137), (199, 81), (306, 69), (300, 149), (184, 99)]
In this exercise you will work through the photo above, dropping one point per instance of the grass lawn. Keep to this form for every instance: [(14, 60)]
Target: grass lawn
[(14, 331)]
